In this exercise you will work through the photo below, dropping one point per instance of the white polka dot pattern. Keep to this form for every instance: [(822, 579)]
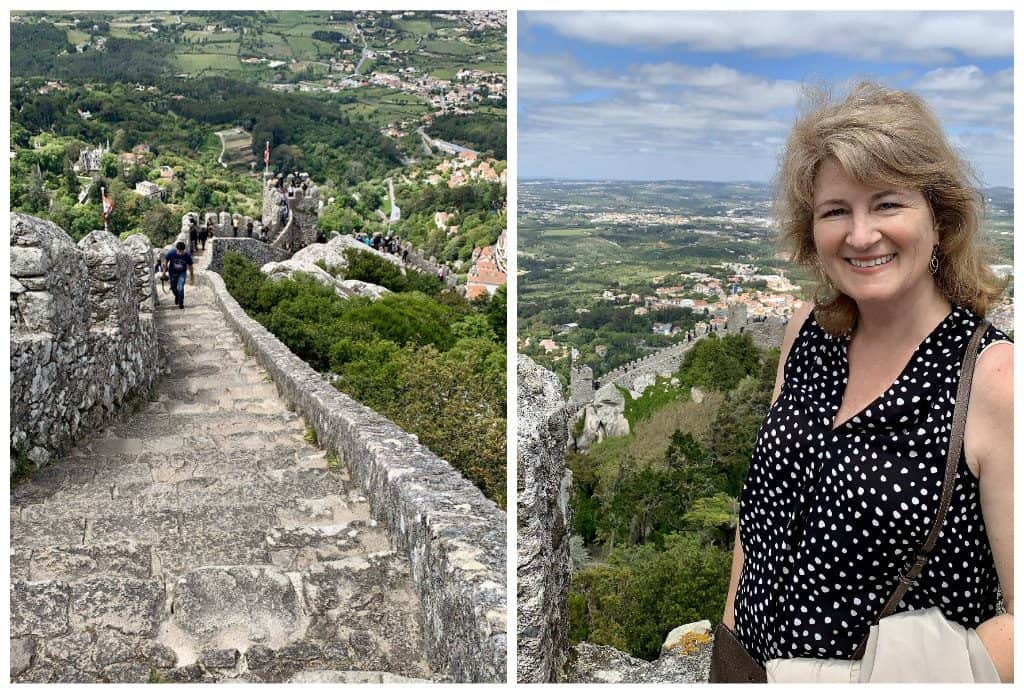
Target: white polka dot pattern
[(830, 518)]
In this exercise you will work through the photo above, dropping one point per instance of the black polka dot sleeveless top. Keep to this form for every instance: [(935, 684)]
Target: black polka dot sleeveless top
[(830, 518)]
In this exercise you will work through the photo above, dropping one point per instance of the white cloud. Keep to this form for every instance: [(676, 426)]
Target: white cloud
[(964, 78), (965, 96), (669, 116), (912, 36)]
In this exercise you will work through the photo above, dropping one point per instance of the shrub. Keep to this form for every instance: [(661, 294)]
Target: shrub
[(370, 268), (643, 593)]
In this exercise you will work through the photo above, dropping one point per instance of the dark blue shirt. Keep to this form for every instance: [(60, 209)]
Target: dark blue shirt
[(178, 263)]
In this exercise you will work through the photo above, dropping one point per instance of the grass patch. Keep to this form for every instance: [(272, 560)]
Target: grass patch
[(310, 436), (198, 62), (21, 466), (333, 461), (655, 397)]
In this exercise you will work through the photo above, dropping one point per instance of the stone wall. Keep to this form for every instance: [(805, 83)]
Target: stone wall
[(257, 251), (83, 336), (662, 362), (543, 487), (581, 385), (222, 224), (304, 206), (453, 535), (768, 334), (640, 373)]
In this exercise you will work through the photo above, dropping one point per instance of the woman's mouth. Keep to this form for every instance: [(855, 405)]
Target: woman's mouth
[(871, 262)]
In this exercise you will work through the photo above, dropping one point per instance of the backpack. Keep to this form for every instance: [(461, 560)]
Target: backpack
[(177, 264)]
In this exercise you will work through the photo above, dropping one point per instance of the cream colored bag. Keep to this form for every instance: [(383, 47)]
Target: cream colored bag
[(909, 647)]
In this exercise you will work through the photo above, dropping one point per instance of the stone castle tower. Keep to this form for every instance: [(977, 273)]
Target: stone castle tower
[(737, 319), (299, 229)]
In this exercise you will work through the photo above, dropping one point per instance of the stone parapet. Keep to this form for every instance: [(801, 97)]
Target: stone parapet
[(257, 251), (83, 336), (453, 535)]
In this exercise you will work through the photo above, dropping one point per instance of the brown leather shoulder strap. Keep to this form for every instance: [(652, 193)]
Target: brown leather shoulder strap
[(956, 441)]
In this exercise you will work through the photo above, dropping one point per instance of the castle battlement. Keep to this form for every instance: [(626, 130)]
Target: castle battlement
[(83, 336)]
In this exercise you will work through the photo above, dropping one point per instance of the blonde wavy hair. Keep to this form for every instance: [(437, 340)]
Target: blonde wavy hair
[(884, 138)]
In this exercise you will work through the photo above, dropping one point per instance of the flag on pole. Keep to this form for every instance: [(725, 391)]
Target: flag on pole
[(108, 204), (266, 154)]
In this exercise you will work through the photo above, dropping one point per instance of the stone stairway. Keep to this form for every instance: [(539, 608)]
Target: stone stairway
[(202, 538)]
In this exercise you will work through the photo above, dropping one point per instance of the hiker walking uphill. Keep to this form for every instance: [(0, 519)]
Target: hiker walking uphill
[(176, 264)]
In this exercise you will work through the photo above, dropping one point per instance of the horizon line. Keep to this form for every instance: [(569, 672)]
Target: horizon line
[(676, 180)]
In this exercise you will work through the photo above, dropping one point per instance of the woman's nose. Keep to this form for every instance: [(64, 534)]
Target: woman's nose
[(863, 232)]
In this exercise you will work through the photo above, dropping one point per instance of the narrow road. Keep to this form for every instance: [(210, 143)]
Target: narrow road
[(449, 147), (362, 57)]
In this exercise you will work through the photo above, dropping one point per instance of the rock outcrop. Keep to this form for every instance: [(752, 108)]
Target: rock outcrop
[(83, 338), (543, 486), (332, 253), (603, 418), (589, 663)]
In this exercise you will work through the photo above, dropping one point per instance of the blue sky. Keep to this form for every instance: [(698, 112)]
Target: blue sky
[(711, 95)]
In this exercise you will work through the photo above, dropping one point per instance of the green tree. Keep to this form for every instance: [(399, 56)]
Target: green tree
[(108, 166), (69, 179), (159, 224), (643, 593)]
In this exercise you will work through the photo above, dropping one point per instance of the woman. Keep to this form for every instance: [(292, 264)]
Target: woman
[(847, 470)]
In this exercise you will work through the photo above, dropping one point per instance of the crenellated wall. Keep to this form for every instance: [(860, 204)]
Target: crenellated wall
[(222, 224), (640, 373), (544, 568), (304, 206), (83, 336)]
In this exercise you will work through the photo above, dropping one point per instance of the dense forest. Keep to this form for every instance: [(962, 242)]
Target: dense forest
[(479, 131), (476, 209), (429, 360), (655, 511)]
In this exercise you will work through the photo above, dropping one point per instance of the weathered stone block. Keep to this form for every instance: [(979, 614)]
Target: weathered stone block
[(39, 608), (28, 262), (22, 652), (128, 604), (36, 311), (219, 659), (259, 601)]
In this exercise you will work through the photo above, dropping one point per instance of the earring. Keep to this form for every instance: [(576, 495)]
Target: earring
[(933, 263)]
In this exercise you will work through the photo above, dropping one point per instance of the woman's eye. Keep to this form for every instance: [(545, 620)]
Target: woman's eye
[(889, 205), (838, 211)]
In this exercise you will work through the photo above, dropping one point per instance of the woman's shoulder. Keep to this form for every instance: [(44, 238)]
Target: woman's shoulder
[(993, 336), (801, 321)]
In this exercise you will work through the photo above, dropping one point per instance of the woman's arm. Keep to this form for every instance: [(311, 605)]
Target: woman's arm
[(734, 581), (988, 447), (792, 330)]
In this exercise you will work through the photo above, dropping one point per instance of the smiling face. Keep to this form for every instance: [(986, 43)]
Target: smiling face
[(874, 243)]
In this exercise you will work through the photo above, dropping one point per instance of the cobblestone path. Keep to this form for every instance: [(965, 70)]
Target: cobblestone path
[(203, 539)]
